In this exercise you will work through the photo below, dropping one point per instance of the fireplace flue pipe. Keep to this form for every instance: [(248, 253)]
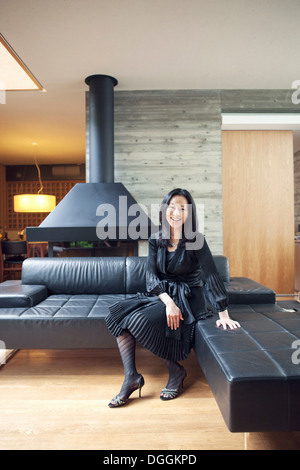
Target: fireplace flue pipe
[(101, 128)]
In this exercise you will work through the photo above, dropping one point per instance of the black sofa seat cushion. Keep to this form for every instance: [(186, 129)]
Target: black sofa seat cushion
[(250, 370), (73, 306), (60, 321)]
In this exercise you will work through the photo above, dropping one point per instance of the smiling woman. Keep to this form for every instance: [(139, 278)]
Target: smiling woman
[(180, 273), (176, 215)]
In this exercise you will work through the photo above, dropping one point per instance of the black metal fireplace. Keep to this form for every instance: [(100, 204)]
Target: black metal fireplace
[(100, 211)]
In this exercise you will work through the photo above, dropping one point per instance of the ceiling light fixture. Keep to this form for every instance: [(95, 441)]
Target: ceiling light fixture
[(14, 74), (35, 202)]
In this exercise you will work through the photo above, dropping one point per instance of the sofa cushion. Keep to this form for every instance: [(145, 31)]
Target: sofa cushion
[(76, 275), (72, 306), (60, 321)]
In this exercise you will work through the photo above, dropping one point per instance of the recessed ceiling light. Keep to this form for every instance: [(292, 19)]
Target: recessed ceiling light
[(14, 74)]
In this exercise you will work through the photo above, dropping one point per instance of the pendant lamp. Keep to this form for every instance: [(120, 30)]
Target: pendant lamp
[(35, 202)]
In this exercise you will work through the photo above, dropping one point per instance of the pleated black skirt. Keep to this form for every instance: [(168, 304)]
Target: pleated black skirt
[(146, 320)]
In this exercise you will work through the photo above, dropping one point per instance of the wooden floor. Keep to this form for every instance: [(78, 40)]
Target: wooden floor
[(57, 399)]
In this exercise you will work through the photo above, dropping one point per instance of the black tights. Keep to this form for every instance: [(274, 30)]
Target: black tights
[(176, 374), (126, 344)]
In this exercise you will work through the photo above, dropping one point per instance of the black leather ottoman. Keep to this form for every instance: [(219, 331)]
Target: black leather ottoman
[(250, 370)]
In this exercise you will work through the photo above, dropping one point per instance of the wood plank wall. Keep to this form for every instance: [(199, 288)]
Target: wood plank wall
[(258, 206), (168, 139)]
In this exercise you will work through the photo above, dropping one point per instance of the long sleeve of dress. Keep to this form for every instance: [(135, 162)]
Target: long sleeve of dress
[(215, 291), (154, 284)]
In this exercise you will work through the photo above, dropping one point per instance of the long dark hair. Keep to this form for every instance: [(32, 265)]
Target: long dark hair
[(190, 226)]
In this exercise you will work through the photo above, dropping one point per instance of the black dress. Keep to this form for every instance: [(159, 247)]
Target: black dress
[(189, 277)]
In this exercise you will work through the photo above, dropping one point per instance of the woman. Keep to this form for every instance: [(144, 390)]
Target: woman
[(180, 273)]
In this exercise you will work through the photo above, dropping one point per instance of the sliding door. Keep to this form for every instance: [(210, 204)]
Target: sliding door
[(258, 206)]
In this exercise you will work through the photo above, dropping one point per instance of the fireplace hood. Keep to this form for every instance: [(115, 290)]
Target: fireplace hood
[(101, 208)]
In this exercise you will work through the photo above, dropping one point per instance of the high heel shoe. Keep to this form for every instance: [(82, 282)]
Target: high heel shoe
[(171, 393), (118, 401)]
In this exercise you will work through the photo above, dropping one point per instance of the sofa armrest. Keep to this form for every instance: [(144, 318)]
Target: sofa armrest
[(242, 290), (16, 294)]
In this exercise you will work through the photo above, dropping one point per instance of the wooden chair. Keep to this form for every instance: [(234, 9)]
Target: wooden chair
[(12, 255)]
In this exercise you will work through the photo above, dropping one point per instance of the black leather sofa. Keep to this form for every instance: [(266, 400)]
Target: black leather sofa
[(63, 302)]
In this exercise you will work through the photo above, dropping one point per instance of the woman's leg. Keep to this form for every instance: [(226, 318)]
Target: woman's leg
[(126, 344), (132, 380), (177, 374)]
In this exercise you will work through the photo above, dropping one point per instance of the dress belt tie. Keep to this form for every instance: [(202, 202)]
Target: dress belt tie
[(180, 291)]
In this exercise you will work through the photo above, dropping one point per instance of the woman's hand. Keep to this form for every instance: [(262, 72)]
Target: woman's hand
[(225, 321), (174, 315)]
